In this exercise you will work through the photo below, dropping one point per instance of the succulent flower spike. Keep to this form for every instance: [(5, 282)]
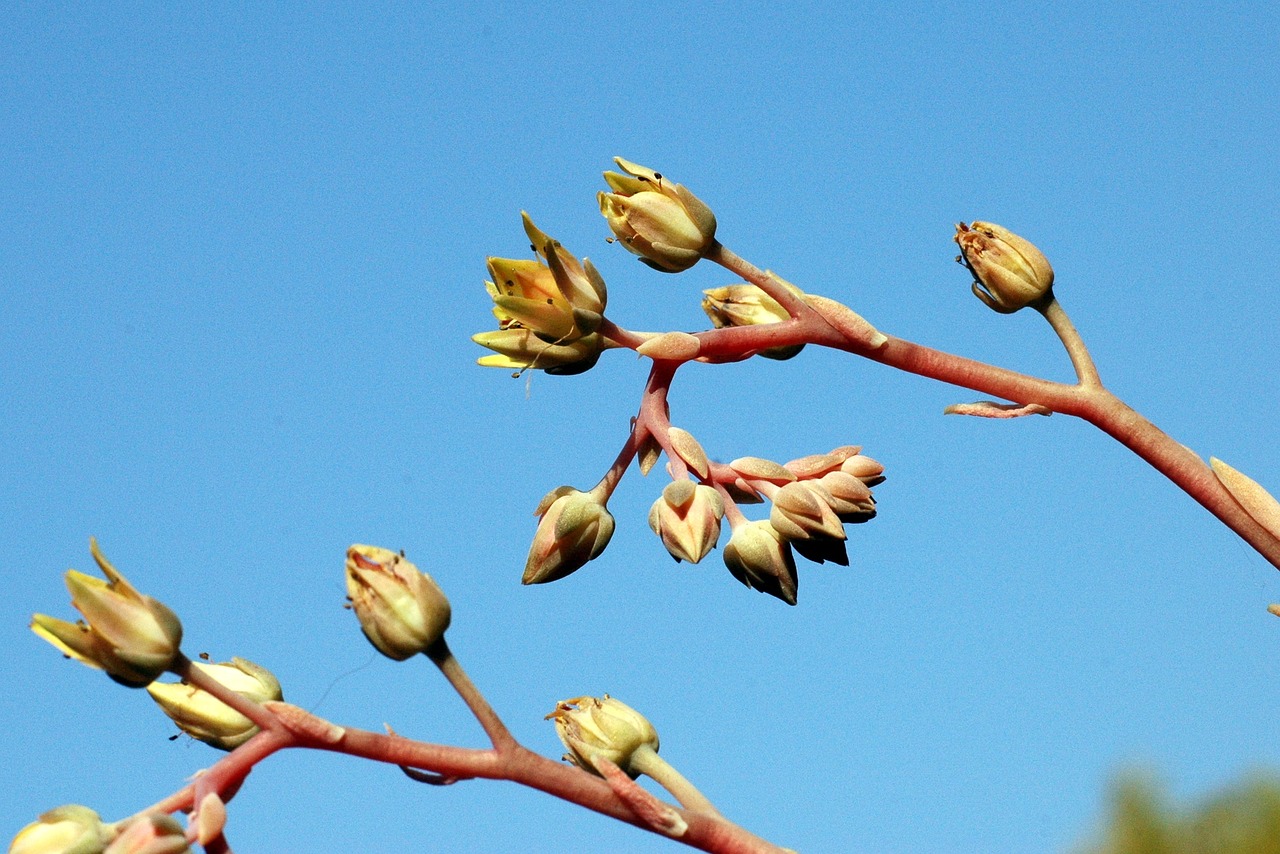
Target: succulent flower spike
[(1010, 271), (759, 557), (402, 611), (132, 637), (594, 728), (574, 528), (206, 718), (687, 518), (662, 222)]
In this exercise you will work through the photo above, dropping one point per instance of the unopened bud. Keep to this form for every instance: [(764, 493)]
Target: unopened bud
[(132, 637), (759, 557), (574, 528), (206, 718), (666, 225), (748, 305), (402, 611), (1010, 271), (69, 829), (800, 511), (594, 728), (687, 518), (151, 834)]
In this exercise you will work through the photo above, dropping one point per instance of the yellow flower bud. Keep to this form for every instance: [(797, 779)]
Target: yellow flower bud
[(748, 305), (1010, 271), (666, 225), (70, 828), (593, 728), (759, 557), (525, 296), (132, 637), (519, 348), (402, 611), (574, 528), (580, 283), (206, 718), (687, 518)]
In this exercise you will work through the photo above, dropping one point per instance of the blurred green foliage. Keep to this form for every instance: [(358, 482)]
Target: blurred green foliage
[(1243, 819)]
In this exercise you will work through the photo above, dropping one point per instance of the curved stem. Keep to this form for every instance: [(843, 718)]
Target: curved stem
[(1053, 312), (647, 761), (499, 735), (186, 670)]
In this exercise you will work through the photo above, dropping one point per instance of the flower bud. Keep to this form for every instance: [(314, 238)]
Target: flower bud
[(206, 718), (1010, 271), (800, 511), (151, 834), (759, 557), (665, 224), (402, 611), (574, 528), (848, 496), (132, 637), (748, 305), (606, 728), (525, 296), (521, 349), (864, 469), (687, 518), (579, 283), (69, 829)]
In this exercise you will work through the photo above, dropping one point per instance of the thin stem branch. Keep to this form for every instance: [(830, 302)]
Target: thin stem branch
[(647, 761), (186, 670), (1053, 312), (501, 738)]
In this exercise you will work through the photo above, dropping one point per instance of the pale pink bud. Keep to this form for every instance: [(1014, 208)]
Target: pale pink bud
[(687, 518), (574, 528), (151, 834), (801, 511)]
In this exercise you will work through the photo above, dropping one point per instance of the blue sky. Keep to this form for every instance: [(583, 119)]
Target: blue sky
[(241, 256)]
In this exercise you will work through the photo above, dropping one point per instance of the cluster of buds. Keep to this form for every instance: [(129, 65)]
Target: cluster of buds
[(813, 498), (548, 309), (131, 636)]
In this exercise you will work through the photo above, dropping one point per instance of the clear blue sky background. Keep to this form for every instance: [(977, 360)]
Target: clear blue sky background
[(241, 255)]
